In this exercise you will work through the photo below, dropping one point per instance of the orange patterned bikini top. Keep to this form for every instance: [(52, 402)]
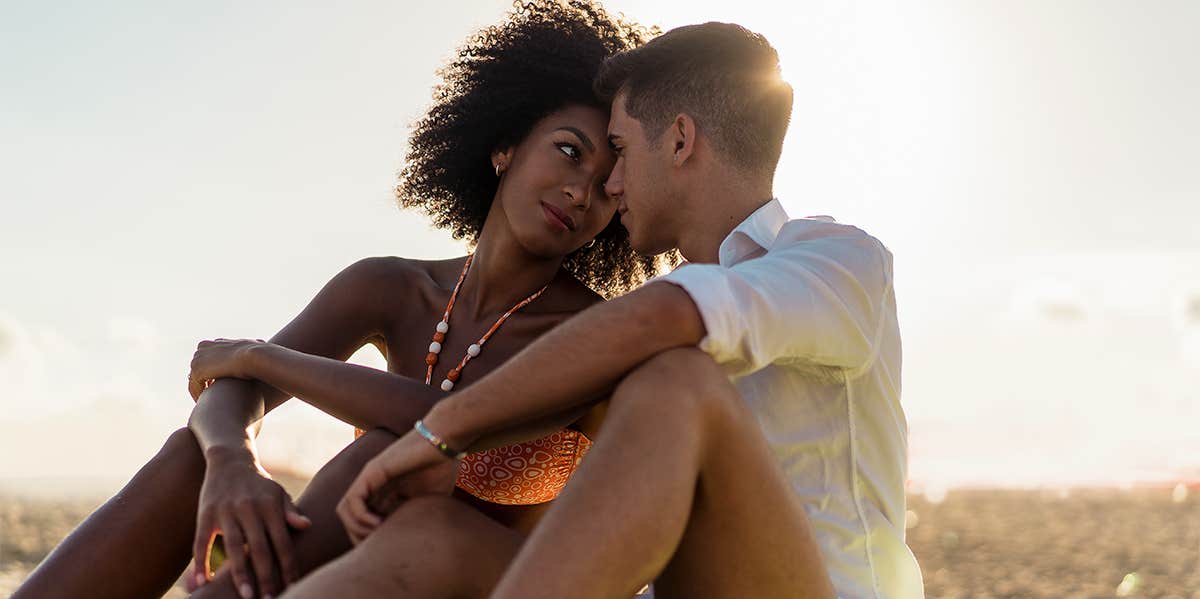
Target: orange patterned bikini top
[(524, 473)]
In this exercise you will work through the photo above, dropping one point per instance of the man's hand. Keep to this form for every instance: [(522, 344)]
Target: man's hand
[(252, 512), (219, 358), (410, 467)]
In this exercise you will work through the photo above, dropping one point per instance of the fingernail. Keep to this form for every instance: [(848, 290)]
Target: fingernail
[(201, 579), (245, 591)]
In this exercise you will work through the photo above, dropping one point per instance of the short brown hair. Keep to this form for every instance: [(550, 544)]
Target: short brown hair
[(723, 75)]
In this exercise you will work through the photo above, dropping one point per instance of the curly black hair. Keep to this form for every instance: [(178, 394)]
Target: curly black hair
[(504, 80)]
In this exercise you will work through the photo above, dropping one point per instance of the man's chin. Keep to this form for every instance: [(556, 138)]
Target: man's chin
[(648, 247)]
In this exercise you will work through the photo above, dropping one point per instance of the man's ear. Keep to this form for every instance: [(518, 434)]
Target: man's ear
[(501, 159), (682, 137)]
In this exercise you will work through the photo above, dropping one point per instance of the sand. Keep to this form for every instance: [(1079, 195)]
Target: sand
[(1082, 543), (1142, 542)]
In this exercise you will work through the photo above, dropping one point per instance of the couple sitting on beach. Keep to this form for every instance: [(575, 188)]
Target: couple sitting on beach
[(731, 429)]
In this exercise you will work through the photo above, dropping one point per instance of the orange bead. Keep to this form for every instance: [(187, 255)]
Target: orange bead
[(431, 359), (453, 375), (439, 337)]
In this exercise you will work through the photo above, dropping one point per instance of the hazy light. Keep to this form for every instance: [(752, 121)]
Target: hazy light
[(180, 172)]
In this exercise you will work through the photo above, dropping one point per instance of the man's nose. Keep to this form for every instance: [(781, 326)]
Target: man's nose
[(614, 186)]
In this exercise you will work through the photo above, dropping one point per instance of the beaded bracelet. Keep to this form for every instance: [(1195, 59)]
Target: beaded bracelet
[(437, 441)]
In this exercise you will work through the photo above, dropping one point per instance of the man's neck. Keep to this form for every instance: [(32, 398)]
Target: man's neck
[(714, 212)]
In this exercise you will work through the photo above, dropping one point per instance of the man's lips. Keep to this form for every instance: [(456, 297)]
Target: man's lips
[(558, 217)]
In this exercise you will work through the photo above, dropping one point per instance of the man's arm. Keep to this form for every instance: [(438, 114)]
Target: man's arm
[(814, 298), (576, 362), (815, 301)]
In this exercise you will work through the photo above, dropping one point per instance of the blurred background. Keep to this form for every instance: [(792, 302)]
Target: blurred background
[(174, 172)]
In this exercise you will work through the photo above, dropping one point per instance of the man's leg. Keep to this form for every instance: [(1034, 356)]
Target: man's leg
[(680, 485), (430, 548)]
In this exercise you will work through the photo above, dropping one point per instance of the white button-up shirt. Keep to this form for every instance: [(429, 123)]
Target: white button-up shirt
[(802, 315)]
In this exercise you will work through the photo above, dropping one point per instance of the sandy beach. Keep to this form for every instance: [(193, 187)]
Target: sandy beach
[(1140, 542)]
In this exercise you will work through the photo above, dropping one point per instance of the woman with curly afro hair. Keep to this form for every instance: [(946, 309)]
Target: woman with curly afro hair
[(512, 157)]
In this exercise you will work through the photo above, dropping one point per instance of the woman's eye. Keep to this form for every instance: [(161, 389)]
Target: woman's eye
[(570, 150)]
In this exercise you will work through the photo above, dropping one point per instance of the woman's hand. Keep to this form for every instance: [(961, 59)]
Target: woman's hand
[(409, 467), (219, 358), (252, 513)]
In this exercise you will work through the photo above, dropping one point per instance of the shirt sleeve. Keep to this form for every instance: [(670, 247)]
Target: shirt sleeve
[(810, 300)]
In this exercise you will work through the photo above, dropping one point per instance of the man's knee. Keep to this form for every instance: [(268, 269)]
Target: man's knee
[(684, 379)]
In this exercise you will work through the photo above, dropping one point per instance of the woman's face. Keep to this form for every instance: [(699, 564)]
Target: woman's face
[(552, 192)]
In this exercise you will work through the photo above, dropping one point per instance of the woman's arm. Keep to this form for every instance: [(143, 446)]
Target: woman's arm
[(346, 313), (238, 497), (359, 395)]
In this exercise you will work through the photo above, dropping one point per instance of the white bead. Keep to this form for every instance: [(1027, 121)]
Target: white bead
[(443, 327), (473, 350), (435, 348), (447, 385)]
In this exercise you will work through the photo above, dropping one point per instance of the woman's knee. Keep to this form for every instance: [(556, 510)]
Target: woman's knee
[(181, 450)]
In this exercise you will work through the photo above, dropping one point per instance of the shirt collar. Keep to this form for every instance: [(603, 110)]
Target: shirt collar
[(759, 230)]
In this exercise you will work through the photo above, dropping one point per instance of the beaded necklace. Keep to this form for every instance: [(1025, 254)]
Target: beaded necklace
[(443, 327)]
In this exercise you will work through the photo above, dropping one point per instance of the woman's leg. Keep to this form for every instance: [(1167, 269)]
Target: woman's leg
[(138, 542), (431, 547)]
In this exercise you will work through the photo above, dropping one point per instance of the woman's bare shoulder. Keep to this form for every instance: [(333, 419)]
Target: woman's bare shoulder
[(396, 270), (377, 284)]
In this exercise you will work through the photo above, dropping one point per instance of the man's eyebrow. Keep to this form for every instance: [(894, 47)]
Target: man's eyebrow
[(587, 142)]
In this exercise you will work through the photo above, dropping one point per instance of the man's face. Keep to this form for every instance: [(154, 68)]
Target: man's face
[(640, 182)]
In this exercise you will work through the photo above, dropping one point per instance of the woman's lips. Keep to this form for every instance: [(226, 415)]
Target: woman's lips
[(558, 218)]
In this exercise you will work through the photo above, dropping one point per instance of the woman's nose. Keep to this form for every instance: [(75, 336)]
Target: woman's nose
[(579, 195)]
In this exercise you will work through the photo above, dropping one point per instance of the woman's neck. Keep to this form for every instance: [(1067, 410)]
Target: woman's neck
[(502, 273)]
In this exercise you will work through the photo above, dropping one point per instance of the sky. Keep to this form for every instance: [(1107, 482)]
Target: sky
[(180, 171)]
